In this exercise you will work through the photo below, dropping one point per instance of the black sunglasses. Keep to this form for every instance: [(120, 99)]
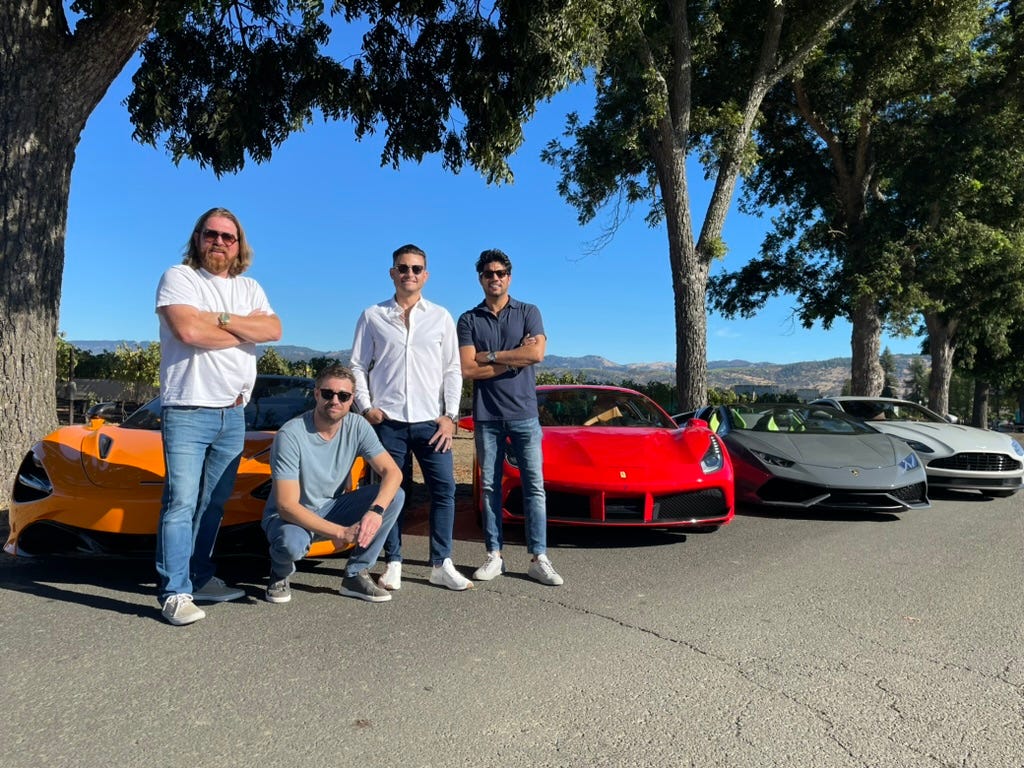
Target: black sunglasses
[(213, 234), (404, 268), (499, 273), (330, 394)]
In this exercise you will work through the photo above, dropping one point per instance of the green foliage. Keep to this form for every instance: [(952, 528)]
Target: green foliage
[(272, 362), (317, 364), (137, 366), (301, 368), (567, 377), (915, 388), (65, 358)]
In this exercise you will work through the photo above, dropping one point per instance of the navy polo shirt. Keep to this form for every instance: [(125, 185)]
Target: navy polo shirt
[(510, 396)]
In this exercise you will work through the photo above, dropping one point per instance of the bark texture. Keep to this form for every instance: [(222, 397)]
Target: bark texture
[(51, 79)]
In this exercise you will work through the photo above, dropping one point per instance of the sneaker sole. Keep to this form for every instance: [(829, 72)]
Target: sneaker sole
[(389, 587), (547, 582), (184, 622), (484, 577), (285, 599), (442, 583), (363, 596)]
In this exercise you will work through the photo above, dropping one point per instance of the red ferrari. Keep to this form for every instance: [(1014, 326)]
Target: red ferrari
[(613, 457)]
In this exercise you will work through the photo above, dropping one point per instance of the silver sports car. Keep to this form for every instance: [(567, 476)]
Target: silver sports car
[(814, 457), (954, 455)]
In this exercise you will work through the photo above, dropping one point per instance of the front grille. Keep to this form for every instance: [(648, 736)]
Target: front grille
[(560, 506), (977, 462), (912, 494), (787, 492), (630, 510), (706, 504)]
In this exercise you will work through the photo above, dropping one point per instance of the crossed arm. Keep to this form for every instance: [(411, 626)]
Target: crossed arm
[(475, 366), (201, 329)]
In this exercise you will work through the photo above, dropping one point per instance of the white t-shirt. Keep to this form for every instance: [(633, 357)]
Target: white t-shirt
[(211, 378)]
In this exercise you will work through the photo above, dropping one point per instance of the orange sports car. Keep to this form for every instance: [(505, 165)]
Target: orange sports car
[(96, 488)]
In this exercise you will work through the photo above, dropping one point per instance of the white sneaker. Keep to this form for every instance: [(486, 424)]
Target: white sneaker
[(543, 571), (445, 575), (180, 610), (494, 566), (392, 577)]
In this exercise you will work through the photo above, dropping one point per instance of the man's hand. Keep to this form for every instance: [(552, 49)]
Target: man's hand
[(346, 535), (442, 438), (367, 528), (375, 416)]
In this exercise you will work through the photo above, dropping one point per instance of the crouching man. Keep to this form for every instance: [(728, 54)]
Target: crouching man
[(310, 463)]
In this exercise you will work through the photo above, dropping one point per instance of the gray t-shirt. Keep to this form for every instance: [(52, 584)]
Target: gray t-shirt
[(321, 466)]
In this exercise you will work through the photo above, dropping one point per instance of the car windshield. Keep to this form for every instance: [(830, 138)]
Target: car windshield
[(881, 410), (797, 419), (275, 400), (599, 408)]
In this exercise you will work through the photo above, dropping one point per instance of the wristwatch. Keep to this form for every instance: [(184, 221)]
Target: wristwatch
[(492, 357), (223, 319), (376, 508)]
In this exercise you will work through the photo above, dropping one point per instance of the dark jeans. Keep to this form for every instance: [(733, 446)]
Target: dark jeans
[(401, 439)]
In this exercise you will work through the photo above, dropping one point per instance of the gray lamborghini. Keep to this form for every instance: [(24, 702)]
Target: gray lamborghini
[(794, 455)]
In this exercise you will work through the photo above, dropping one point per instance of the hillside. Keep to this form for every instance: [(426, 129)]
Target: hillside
[(826, 376)]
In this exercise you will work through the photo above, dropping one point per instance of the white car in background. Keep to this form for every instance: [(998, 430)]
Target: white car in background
[(955, 456)]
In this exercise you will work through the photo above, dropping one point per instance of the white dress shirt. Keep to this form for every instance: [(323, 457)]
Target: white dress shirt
[(412, 374)]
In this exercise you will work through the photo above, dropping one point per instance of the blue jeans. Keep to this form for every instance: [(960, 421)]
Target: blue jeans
[(525, 438), (290, 542), (403, 440), (202, 448)]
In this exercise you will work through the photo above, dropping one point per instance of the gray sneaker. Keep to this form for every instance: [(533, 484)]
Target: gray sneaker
[(362, 587), (278, 590), (543, 571), (216, 591), (180, 610)]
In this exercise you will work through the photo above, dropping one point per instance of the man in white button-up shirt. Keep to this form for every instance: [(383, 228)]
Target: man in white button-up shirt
[(405, 358)]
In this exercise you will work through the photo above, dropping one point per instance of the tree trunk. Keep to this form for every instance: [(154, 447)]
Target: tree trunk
[(50, 82), (941, 346), (979, 409), (867, 376)]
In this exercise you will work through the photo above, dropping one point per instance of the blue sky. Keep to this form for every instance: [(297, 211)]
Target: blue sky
[(324, 217)]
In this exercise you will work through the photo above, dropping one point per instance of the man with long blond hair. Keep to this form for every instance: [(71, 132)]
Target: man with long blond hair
[(211, 319)]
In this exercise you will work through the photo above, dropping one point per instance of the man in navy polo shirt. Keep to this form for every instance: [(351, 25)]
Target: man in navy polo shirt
[(500, 340)]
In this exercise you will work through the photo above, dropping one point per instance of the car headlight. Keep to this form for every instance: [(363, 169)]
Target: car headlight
[(909, 462), (920, 447), (772, 460), (713, 459), (1016, 447)]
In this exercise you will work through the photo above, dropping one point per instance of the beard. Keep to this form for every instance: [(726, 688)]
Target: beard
[(216, 261)]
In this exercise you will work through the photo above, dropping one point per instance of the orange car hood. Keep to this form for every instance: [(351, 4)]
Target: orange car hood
[(114, 457)]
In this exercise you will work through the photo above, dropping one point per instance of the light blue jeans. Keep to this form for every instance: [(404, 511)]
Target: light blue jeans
[(290, 542), (524, 436), (202, 448)]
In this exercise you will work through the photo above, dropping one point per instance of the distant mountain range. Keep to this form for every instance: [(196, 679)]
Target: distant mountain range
[(826, 376)]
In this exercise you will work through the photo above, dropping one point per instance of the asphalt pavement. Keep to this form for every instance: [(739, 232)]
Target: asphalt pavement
[(860, 641)]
